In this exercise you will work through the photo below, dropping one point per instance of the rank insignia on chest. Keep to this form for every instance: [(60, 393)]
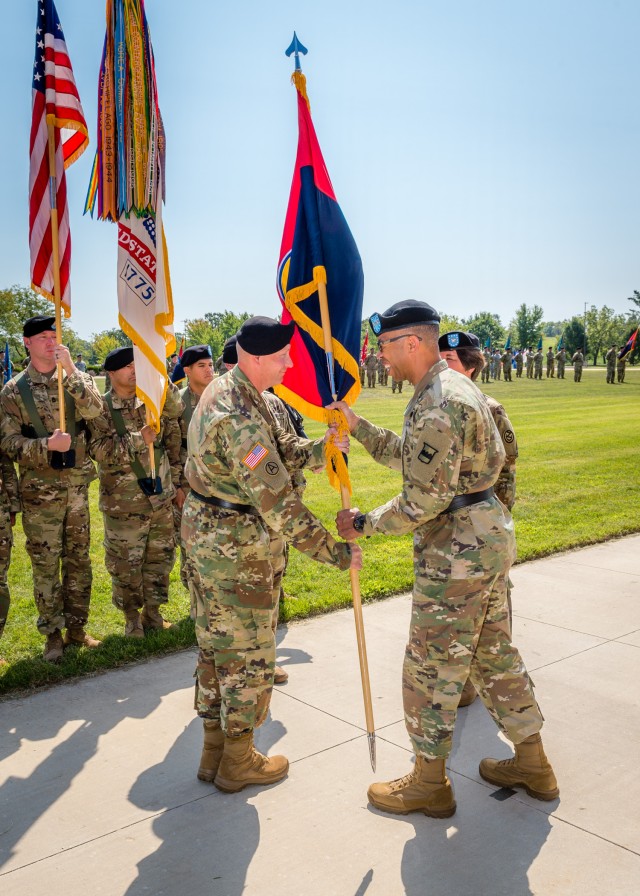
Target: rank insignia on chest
[(427, 454), (255, 456)]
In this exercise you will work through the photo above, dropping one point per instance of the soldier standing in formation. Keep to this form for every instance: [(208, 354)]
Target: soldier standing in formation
[(396, 384), (9, 507), (561, 358), (577, 360), (239, 469), (372, 367), (139, 538), (450, 455), (55, 472), (486, 355), (550, 363), (361, 371), (506, 359), (622, 363), (497, 364), (611, 364), (530, 363), (383, 374), (519, 364), (467, 360), (537, 365)]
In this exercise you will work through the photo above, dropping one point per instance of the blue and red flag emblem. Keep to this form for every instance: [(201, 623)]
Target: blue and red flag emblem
[(630, 345), (317, 247)]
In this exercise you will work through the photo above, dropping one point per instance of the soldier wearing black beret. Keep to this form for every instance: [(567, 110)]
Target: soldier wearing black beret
[(55, 472), (450, 456)]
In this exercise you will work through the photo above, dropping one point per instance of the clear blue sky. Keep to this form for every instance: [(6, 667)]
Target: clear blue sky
[(485, 154)]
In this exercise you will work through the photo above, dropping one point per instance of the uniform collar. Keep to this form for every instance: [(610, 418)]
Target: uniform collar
[(42, 378), (119, 402)]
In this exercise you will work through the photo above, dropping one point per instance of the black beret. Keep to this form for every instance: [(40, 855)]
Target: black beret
[(38, 324), (403, 315), (264, 336), (195, 353), (229, 351), (458, 339), (118, 358)]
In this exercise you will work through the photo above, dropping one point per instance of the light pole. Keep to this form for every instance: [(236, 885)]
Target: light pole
[(585, 332)]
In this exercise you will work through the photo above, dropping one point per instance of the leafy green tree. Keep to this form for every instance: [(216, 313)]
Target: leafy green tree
[(486, 326), (214, 329), (18, 304), (104, 342), (635, 298), (552, 327), (574, 337), (604, 328), (449, 322), (527, 325)]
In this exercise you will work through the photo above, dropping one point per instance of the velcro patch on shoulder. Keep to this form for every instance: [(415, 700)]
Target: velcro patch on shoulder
[(255, 456)]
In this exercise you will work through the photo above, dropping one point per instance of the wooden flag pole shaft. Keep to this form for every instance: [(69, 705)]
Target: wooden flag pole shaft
[(152, 453), (355, 578), (55, 246)]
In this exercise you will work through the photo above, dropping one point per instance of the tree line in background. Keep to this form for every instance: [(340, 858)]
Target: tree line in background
[(603, 328)]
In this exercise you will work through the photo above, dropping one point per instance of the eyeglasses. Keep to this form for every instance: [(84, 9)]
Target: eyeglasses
[(381, 345)]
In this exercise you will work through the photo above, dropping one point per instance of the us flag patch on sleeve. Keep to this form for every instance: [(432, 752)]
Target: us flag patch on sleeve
[(253, 458)]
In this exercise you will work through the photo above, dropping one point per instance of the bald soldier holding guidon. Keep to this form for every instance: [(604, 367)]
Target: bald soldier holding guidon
[(450, 456)]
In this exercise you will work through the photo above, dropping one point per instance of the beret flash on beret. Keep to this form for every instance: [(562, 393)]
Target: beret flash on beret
[(41, 323), (458, 339), (194, 353), (118, 358), (402, 315), (264, 336)]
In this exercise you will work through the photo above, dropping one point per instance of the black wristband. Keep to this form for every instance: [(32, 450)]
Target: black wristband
[(358, 522)]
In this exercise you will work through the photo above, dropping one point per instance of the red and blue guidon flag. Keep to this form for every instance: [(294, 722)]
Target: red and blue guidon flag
[(630, 345), (318, 248)]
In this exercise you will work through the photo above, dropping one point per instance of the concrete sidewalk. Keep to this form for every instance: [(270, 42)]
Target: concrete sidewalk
[(98, 793)]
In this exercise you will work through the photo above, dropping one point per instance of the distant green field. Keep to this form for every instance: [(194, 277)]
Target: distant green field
[(577, 484)]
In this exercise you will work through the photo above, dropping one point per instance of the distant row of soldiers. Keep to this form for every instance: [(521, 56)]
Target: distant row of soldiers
[(376, 371)]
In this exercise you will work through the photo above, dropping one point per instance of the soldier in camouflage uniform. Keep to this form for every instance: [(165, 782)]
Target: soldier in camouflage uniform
[(578, 362), (610, 358), (519, 364), (371, 365), (506, 360), (537, 365), (197, 363), (561, 358), (467, 359), (530, 363), (486, 354), (550, 362), (239, 469), (55, 472), (139, 538), (450, 455), (9, 507), (396, 384), (383, 374), (621, 368)]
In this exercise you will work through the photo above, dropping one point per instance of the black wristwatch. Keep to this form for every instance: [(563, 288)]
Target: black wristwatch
[(359, 521)]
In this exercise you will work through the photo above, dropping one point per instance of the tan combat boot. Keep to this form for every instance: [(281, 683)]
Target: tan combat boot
[(75, 636), (151, 618), (280, 676), (133, 626), (426, 789), (468, 695), (211, 751), (53, 648), (242, 764), (529, 768)]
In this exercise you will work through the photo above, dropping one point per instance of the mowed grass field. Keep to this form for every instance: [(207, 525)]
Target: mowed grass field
[(577, 484)]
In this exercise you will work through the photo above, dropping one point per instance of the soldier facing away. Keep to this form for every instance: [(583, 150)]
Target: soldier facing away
[(611, 358), (550, 362), (139, 538), (578, 361), (561, 358), (371, 365), (450, 455), (239, 468), (55, 472), (537, 365), (621, 367)]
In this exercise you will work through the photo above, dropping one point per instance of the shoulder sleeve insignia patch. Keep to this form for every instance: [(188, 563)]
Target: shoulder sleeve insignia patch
[(255, 456), (427, 453), (508, 436)]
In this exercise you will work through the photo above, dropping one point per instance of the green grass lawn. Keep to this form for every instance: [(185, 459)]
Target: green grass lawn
[(577, 484)]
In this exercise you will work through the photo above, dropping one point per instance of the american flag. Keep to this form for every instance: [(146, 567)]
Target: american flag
[(253, 458), (55, 99)]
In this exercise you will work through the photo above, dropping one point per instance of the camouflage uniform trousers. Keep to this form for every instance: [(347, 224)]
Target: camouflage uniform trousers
[(235, 565), (6, 541), (460, 628), (139, 556), (177, 525), (57, 527)]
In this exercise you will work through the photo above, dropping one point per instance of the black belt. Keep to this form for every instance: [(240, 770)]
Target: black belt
[(472, 498), (226, 505)]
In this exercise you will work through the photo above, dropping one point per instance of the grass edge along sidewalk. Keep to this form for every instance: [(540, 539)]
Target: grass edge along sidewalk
[(577, 485)]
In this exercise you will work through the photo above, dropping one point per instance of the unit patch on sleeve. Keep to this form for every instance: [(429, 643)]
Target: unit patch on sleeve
[(255, 456)]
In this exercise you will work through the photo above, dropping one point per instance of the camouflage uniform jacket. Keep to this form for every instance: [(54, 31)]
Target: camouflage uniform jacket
[(449, 446), (611, 358), (190, 400), (238, 453), (505, 486), (506, 359), (578, 359), (283, 420), (9, 495), (31, 454), (371, 363), (120, 493)]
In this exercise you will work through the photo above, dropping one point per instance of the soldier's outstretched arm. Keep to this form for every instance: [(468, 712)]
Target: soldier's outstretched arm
[(383, 445)]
